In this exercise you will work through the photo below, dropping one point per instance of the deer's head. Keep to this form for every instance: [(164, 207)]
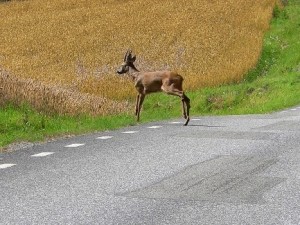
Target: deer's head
[(128, 62)]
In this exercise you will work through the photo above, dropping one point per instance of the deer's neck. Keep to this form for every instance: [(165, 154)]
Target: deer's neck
[(133, 71)]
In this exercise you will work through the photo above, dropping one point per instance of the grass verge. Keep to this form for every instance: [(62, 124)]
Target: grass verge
[(25, 124), (274, 84)]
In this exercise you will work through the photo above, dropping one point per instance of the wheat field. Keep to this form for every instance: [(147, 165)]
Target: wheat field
[(61, 56)]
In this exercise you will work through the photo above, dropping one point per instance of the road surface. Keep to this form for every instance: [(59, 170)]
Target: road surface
[(218, 170)]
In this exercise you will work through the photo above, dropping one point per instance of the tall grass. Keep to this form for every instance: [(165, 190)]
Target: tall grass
[(72, 48), (54, 98)]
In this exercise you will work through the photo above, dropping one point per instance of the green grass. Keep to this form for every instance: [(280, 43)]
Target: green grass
[(273, 85), (24, 123)]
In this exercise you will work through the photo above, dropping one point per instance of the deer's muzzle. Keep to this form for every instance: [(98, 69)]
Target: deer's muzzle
[(122, 69)]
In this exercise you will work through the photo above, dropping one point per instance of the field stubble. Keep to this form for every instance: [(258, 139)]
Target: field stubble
[(61, 56)]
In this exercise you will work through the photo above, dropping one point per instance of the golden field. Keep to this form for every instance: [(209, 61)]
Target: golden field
[(61, 56)]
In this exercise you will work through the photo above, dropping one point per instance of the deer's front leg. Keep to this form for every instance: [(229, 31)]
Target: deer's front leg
[(139, 105)]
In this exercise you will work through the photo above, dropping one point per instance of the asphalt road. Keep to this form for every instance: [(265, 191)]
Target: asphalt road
[(217, 170)]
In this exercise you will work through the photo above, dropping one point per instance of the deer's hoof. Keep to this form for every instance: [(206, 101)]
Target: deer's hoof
[(187, 121)]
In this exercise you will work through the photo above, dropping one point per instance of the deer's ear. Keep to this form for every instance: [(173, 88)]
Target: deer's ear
[(126, 55)]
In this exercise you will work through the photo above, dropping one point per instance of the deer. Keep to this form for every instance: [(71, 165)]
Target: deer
[(145, 83)]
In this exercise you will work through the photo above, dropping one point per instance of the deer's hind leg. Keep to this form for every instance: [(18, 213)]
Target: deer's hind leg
[(184, 111), (169, 89), (187, 107)]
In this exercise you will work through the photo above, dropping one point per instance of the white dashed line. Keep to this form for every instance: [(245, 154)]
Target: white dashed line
[(42, 154), (7, 165), (154, 127), (130, 132), (175, 122), (104, 137), (74, 145), (293, 109), (195, 119)]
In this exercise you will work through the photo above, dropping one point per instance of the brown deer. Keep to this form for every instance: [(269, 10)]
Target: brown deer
[(150, 82)]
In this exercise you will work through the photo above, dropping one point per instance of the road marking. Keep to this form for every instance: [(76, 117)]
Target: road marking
[(195, 119), (7, 165), (154, 127), (175, 122), (74, 145), (293, 109), (104, 137), (42, 154), (130, 132)]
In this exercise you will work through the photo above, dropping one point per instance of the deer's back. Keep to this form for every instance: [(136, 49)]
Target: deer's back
[(153, 81)]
